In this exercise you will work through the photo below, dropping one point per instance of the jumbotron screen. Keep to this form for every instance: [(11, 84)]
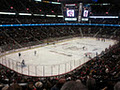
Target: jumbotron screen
[(76, 12), (85, 12), (70, 12)]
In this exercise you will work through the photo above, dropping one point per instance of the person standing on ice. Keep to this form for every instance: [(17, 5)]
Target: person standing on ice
[(96, 53), (83, 47), (23, 63), (85, 54), (19, 54), (35, 53)]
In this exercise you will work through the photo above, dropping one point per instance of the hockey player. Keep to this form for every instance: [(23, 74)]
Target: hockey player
[(23, 63), (35, 53), (83, 47), (86, 55), (19, 54)]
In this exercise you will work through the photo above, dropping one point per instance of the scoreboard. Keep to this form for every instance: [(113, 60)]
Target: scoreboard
[(75, 12), (85, 12), (70, 12)]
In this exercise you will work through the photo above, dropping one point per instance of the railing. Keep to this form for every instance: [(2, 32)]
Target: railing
[(43, 70)]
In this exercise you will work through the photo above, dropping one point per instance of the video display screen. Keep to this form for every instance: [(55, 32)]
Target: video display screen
[(76, 12), (85, 13), (70, 13)]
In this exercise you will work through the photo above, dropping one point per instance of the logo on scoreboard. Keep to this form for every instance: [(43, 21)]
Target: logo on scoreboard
[(70, 13), (85, 14)]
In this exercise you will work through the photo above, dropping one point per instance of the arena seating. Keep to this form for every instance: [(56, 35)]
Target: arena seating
[(100, 73), (29, 6), (104, 69)]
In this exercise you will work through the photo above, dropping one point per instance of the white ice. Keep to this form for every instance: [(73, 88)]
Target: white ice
[(56, 59)]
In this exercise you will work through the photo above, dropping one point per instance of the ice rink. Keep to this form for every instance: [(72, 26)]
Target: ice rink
[(57, 58)]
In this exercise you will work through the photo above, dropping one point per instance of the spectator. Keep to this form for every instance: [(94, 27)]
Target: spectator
[(91, 83), (117, 86), (72, 85), (58, 85)]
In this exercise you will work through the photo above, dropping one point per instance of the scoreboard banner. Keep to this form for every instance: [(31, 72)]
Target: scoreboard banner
[(76, 12), (70, 12), (86, 12)]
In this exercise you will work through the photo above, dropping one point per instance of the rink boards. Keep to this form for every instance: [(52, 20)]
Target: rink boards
[(55, 59)]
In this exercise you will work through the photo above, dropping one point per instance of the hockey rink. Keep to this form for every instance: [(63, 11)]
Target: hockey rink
[(55, 59)]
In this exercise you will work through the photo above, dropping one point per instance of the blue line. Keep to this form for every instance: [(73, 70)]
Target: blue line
[(58, 24)]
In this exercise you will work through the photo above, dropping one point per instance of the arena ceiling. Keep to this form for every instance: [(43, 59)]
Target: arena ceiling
[(116, 2), (89, 1)]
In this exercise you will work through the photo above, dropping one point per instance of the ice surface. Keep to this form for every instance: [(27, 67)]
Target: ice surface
[(55, 59)]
